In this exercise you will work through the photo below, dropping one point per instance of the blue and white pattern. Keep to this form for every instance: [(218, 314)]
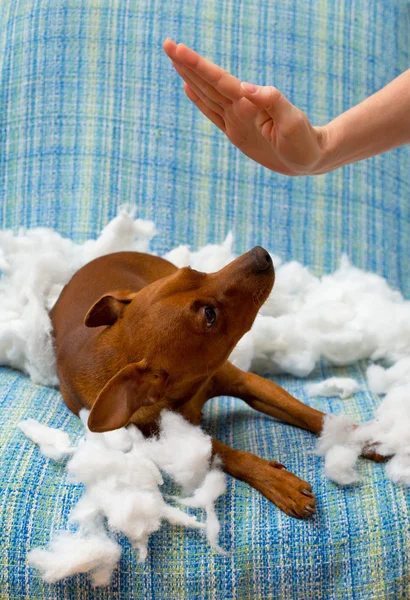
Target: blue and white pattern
[(92, 116)]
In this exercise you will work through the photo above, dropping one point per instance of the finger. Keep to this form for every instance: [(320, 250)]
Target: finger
[(194, 81), (226, 84), (206, 100), (170, 48), (210, 114), (200, 84), (271, 100)]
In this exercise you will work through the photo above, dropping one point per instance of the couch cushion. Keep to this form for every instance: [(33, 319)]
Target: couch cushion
[(92, 115), (356, 546)]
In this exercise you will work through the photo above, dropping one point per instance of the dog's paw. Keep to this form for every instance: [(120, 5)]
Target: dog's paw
[(370, 451), (291, 494)]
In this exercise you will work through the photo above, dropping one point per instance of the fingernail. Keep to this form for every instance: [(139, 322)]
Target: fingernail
[(249, 87)]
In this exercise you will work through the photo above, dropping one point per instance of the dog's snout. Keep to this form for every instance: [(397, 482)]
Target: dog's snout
[(261, 258)]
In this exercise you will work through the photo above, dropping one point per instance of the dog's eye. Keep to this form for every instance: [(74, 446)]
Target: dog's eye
[(210, 315)]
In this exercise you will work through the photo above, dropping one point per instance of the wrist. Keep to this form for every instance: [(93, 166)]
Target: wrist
[(326, 153)]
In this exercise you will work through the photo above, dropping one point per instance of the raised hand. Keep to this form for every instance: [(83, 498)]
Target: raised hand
[(258, 120)]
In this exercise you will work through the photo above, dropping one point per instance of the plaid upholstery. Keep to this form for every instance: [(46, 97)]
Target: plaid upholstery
[(92, 116)]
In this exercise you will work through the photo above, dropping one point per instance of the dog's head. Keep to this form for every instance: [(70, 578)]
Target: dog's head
[(176, 333)]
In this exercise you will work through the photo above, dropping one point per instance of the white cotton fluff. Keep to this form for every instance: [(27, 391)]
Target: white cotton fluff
[(36, 264), (389, 428), (213, 486), (381, 380), (337, 430), (53, 443), (209, 258), (342, 317), (334, 386), (341, 449), (340, 462), (398, 468), (71, 553), (122, 477), (243, 352), (182, 451)]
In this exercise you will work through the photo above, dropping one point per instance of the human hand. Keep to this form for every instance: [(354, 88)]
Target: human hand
[(258, 120)]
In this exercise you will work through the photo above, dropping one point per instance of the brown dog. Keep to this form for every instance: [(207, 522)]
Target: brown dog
[(134, 335)]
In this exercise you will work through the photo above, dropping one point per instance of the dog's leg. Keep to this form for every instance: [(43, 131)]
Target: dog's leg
[(267, 397), (291, 494)]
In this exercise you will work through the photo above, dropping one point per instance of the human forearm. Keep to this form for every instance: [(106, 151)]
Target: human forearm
[(379, 123)]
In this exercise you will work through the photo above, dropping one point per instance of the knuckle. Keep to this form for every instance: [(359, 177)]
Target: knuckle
[(217, 78), (275, 95)]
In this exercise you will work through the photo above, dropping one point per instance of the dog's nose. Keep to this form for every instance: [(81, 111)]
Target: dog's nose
[(261, 258)]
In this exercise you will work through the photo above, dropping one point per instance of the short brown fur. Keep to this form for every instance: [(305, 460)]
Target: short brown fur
[(134, 335)]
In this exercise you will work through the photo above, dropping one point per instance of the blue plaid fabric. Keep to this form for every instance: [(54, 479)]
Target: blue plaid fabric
[(92, 116)]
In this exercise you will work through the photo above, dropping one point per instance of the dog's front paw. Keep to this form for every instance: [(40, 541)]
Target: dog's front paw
[(370, 451), (291, 494)]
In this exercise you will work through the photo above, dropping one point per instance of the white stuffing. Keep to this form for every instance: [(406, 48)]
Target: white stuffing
[(340, 462), (398, 468), (209, 258), (191, 444), (334, 386), (389, 428), (337, 431), (53, 443), (213, 486), (382, 380), (36, 264), (122, 477), (342, 317), (71, 553)]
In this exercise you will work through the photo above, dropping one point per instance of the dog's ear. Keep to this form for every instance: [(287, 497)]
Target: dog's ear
[(134, 386), (108, 308)]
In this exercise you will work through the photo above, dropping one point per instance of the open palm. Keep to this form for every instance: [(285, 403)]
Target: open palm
[(259, 120)]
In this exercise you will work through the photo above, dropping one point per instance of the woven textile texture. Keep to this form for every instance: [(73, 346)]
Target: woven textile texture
[(93, 116)]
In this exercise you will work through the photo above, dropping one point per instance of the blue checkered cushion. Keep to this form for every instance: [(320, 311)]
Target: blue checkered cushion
[(92, 116)]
